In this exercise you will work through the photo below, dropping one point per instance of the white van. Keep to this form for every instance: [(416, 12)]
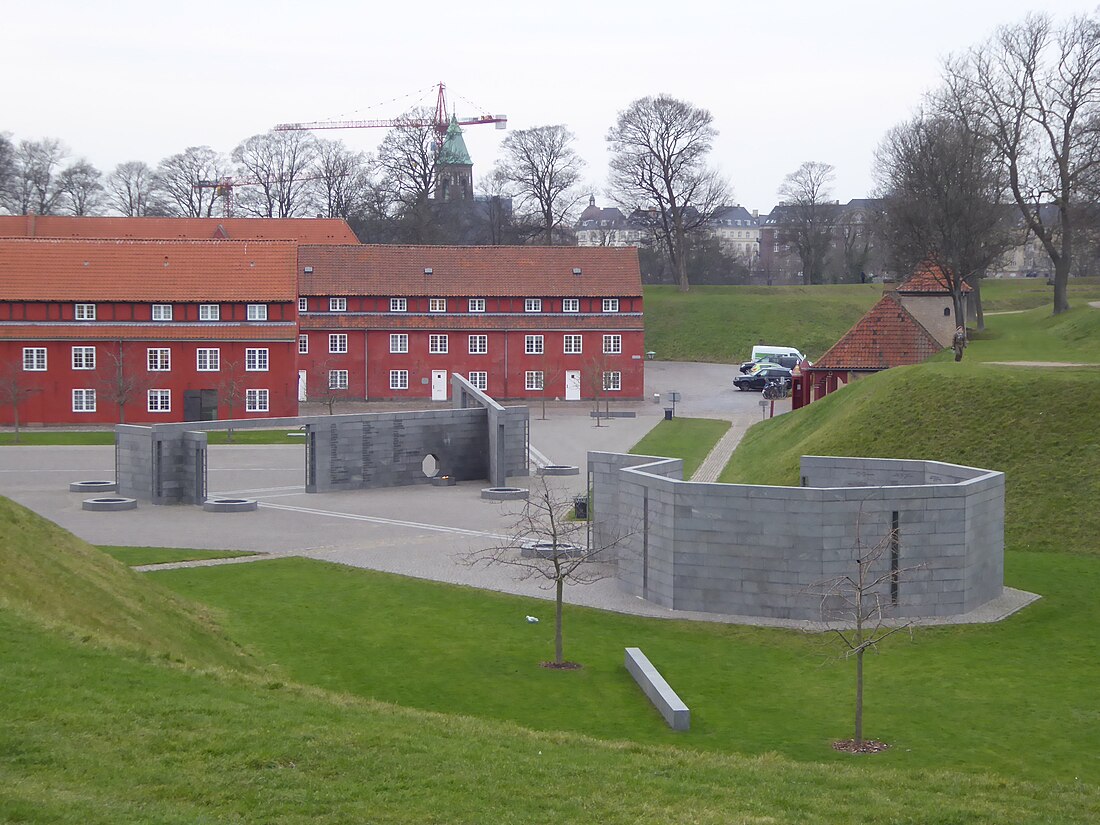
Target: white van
[(772, 354)]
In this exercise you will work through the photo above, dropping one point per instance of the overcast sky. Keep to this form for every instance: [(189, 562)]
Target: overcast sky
[(786, 82)]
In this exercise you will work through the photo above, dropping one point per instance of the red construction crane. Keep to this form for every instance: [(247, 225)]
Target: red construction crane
[(439, 121)]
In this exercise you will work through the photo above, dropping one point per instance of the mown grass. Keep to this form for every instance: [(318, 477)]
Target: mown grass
[(690, 439), (721, 324), (1010, 698), (1011, 294), (133, 556), (1036, 335)]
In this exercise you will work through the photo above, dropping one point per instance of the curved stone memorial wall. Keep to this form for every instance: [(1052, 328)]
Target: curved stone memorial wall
[(753, 550)]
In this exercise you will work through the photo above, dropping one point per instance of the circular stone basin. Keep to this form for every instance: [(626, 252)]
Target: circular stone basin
[(559, 470), (504, 493), (108, 504), (229, 505), (93, 487), (547, 550)]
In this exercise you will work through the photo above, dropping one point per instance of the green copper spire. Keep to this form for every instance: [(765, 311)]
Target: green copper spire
[(454, 151)]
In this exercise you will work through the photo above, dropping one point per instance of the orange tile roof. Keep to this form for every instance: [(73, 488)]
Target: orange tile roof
[(887, 336), (527, 323), (928, 279), (515, 271), (48, 331), (302, 230), (118, 270)]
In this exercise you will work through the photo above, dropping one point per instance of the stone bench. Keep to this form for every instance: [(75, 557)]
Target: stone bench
[(654, 686)]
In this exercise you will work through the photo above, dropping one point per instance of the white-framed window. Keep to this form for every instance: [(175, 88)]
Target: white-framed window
[(532, 380), (257, 312), (208, 360), (532, 305), (255, 360), (572, 344), (162, 312), (303, 344), (210, 312), (613, 344), (480, 380), (612, 381), (477, 305), (532, 344), (399, 379), (337, 379), (610, 304), (399, 342), (159, 401), (479, 344), (83, 358), (303, 304), (158, 360), (437, 305), (437, 344), (337, 304), (255, 401), (570, 304), (83, 400), (34, 359), (85, 312), (399, 304), (338, 342)]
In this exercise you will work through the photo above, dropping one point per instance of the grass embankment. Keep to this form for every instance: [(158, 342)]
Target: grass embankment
[(1013, 294), (1036, 335), (690, 439), (721, 324), (133, 556)]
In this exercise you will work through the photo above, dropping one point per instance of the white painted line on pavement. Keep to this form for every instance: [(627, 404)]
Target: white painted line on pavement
[(437, 528)]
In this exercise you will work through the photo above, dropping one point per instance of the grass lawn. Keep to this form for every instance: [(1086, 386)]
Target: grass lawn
[(133, 556), (690, 439), (1036, 335), (720, 324), (1008, 294)]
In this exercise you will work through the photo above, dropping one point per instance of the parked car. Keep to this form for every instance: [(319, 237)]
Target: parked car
[(788, 361), (758, 379)]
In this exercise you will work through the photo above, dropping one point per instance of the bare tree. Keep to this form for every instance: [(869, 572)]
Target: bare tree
[(541, 170), (944, 193), (15, 388), (856, 607), (276, 166), (119, 379), (407, 161), (33, 185), (7, 167), (546, 544), (130, 190), (659, 148), (81, 188), (809, 215), (328, 385), (1033, 89), (231, 392), (178, 177), (342, 179)]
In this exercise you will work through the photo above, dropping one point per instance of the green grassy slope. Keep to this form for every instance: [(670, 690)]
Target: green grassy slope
[(1037, 426), (1036, 335), (54, 578), (690, 439), (721, 324), (1010, 294)]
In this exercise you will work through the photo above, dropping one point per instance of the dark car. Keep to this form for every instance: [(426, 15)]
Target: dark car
[(761, 377)]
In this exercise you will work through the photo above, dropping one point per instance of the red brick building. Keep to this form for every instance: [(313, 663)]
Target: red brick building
[(92, 331), (302, 230), (384, 322)]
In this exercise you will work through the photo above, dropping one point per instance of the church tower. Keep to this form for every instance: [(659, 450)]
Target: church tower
[(454, 169)]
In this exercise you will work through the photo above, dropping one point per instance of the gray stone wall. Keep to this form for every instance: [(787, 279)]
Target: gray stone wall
[(759, 550)]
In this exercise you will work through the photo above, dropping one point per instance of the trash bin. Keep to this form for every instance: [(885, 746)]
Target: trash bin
[(580, 507), (668, 413)]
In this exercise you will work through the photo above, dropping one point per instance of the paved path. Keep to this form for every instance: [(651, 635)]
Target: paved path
[(719, 456)]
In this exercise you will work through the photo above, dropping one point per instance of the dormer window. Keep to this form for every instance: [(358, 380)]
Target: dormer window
[(162, 312), (85, 312), (337, 304), (570, 304), (532, 305), (399, 304), (437, 305), (610, 304)]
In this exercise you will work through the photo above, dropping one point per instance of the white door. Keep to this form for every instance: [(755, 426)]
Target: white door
[(301, 385), (439, 385), (572, 385)]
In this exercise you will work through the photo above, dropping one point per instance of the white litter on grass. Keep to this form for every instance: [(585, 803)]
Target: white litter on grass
[(532, 620)]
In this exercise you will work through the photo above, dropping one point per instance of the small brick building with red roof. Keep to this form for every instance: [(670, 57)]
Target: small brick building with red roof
[(385, 322), (168, 330)]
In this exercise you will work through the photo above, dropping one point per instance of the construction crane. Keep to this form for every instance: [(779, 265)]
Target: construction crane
[(223, 188), (439, 120)]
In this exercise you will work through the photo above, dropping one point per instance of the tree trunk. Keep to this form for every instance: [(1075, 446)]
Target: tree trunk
[(1061, 284), (976, 297), (15, 420), (559, 655), (859, 698)]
